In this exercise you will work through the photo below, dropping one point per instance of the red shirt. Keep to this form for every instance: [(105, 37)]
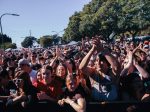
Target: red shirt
[(53, 89)]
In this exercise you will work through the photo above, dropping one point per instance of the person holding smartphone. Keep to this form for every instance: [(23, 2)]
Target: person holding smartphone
[(25, 96), (5, 85)]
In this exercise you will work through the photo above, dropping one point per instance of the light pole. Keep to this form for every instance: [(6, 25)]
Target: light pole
[(1, 26)]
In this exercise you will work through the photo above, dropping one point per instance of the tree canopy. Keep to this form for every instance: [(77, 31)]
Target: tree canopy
[(104, 17), (46, 41), (28, 41), (4, 39), (10, 45)]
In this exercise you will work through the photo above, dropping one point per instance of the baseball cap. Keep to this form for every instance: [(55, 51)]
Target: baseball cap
[(146, 46), (23, 62)]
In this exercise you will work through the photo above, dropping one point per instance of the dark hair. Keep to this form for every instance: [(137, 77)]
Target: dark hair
[(4, 73), (12, 69), (34, 53), (41, 58), (49, 68), (71, 76), (133, 84), (102, 57), (73, 64), (62, 64), (13, 57)]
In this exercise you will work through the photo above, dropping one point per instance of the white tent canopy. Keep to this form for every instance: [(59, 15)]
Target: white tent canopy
[(9, 49), (72, 43)]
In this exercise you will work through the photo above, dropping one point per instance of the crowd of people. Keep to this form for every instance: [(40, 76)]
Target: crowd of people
[(69, 77)]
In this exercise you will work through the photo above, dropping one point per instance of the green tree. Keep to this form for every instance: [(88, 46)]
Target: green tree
[(55, 39), (46, 41), (106, 17), (72, 31), (28, 41), (10, 45), (6, 39)]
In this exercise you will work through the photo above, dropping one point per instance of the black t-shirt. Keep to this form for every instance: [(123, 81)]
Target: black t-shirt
[(62, 81), (75, 95), (133, 84), (30, 100)]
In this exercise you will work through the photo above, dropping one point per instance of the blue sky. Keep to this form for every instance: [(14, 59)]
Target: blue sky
[(40, 16)]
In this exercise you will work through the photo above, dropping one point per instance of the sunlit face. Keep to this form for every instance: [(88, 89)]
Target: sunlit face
[(42, 61), (132, 46), (61, 72), (47, 76), (39, 76), (76, 62), (118, 51), (33, 57), (91, 63), (71, 83), (100, 65), (122, 58), (65, 52), (142, 56)]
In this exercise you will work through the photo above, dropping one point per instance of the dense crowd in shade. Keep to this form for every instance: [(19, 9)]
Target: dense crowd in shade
[(68, 77)]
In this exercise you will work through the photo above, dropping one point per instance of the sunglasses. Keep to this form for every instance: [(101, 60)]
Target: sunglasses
[(17, 80)]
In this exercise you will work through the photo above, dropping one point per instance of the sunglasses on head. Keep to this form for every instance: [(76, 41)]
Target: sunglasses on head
[(17, 80)]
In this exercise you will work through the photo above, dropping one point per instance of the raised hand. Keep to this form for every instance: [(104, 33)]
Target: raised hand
[(129, 59), (97, 44), (135, 62), (58, 53), (61, 102), (68, 100)]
